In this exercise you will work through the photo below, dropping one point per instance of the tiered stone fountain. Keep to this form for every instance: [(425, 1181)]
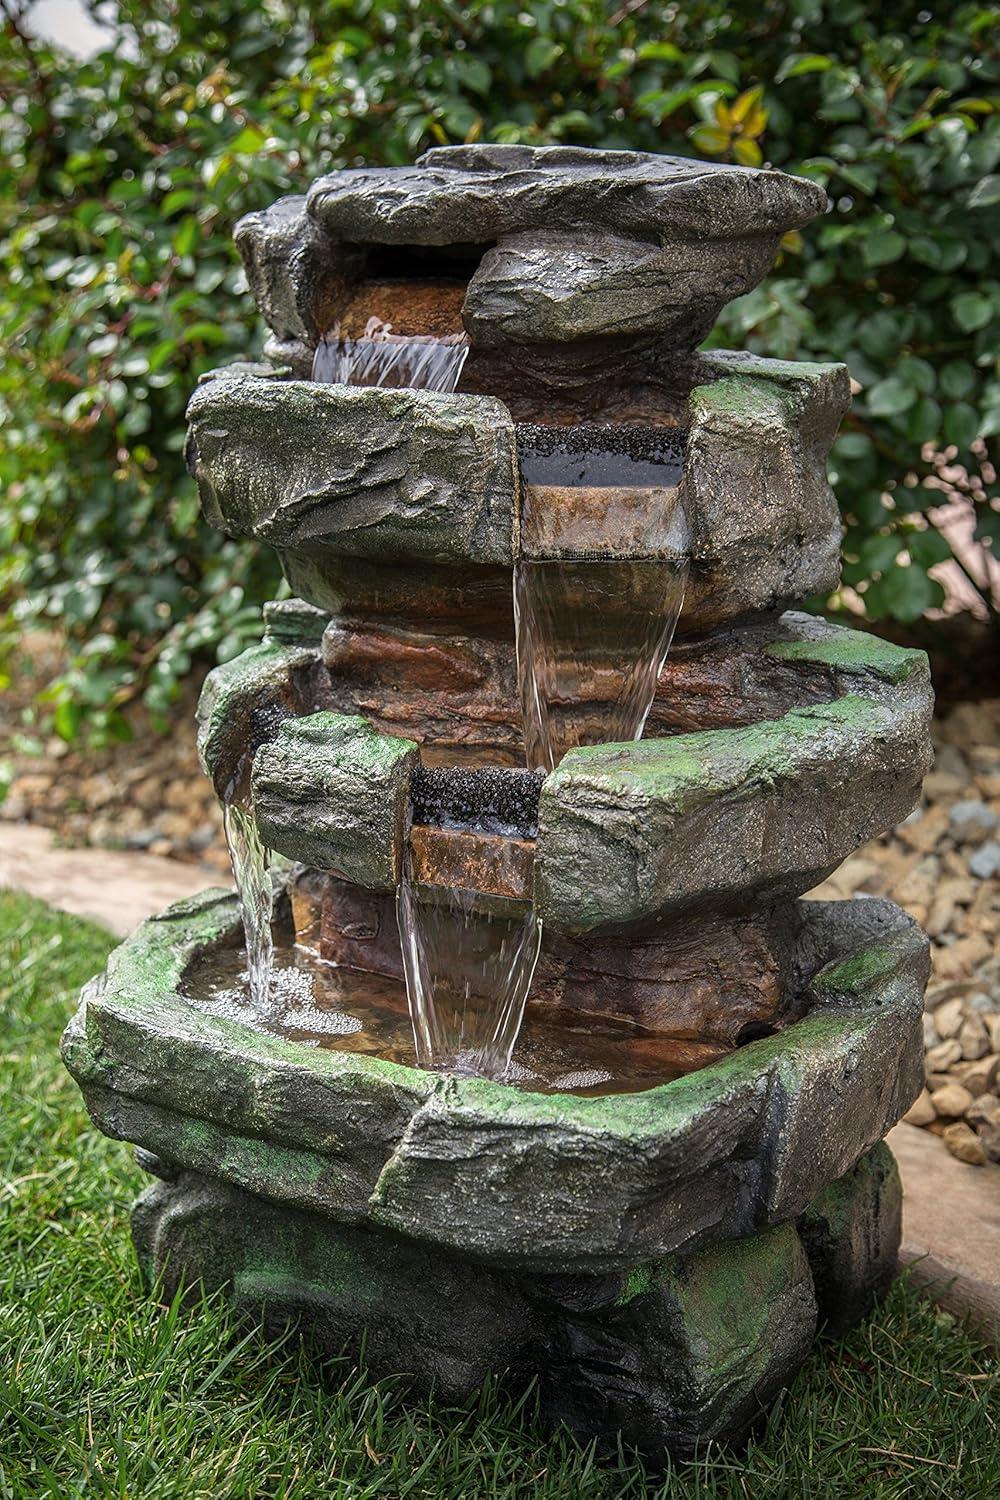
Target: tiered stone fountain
[(681, 1170)]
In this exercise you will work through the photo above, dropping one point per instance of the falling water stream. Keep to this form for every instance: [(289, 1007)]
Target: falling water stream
[(469, 961), (384, 358)]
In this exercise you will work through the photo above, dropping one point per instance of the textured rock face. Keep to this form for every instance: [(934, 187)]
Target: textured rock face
[(547, 286), (331, 793), (474, 194), (673, 1354), (677, 240), (330, 475), (764, 521), (851, 1232), (390, 474), (633, 833), (548, 1183)]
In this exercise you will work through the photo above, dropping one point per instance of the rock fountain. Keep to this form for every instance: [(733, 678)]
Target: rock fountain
[(492, 461)]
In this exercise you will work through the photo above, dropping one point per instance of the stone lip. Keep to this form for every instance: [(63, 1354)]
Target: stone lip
[(630, 835), (535, 1182), (331, 474), (476, 194)]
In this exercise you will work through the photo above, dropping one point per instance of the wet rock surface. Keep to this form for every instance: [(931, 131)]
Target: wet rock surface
[(543, 1183)]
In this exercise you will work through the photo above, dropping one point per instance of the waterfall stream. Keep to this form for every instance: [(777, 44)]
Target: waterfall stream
[(383, 358), (592, 635)]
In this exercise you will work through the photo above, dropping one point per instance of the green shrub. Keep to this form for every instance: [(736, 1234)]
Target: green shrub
[(121, 177)]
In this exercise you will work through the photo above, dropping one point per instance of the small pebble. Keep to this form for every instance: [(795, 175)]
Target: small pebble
[(921, 1111), (973, 1039), (971, 821), (984, 1111), (942, 1056), (963, 1142), (948, 1018), (951, 1103), (985, 862)]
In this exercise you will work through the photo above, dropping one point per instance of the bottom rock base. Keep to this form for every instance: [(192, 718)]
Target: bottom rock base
[(670, 1355)]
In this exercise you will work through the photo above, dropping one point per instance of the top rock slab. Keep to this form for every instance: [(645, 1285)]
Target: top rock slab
[(477, 194)]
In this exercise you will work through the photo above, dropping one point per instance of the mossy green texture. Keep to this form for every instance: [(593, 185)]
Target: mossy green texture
[(242, 694), (851, 1232), (691, 1349), (631, 834), (554, 1183), (332, 793), (856, 652)]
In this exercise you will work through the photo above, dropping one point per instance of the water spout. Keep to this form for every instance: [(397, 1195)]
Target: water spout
[(384, 358)]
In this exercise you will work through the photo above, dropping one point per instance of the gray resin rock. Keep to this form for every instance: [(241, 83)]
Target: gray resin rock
[(682, 238), (765, 523), (550, 1183), (673, 1354), (545, 286), (326, 473), (294, 272), (632, 834), (398, 475), (475, 194), (330, 792), (851, 1232)]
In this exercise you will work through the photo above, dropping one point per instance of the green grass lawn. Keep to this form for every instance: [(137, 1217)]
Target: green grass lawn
[(104, 1394)]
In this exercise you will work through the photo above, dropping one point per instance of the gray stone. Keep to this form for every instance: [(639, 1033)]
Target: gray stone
[(764, 521), (442, 1323), (674, 1354), (330, 792), (549, 1183), (632, 834), (244, 701), (546, 286), (476, 194), (851, 1232), (985, 863), (398, 475), (294, 271), (971, 821), (692, 1350)]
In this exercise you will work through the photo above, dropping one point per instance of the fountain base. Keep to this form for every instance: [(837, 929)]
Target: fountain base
[(670, 1354)]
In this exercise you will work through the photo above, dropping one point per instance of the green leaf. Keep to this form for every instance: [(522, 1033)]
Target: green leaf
[(961, 425), (808, 62), (986, 192), (890, 397), (882, 247), (957, 378), (907, 593), (540, 54), (927, 548), (971, 310), (710, 138)]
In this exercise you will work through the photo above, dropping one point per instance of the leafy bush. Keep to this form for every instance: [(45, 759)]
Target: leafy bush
[(121, 177)]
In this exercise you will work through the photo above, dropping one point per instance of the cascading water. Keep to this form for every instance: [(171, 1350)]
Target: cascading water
[(251, 858), (593, 633), (572, 619), (383, 358), (251, 861), (468, 971)]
